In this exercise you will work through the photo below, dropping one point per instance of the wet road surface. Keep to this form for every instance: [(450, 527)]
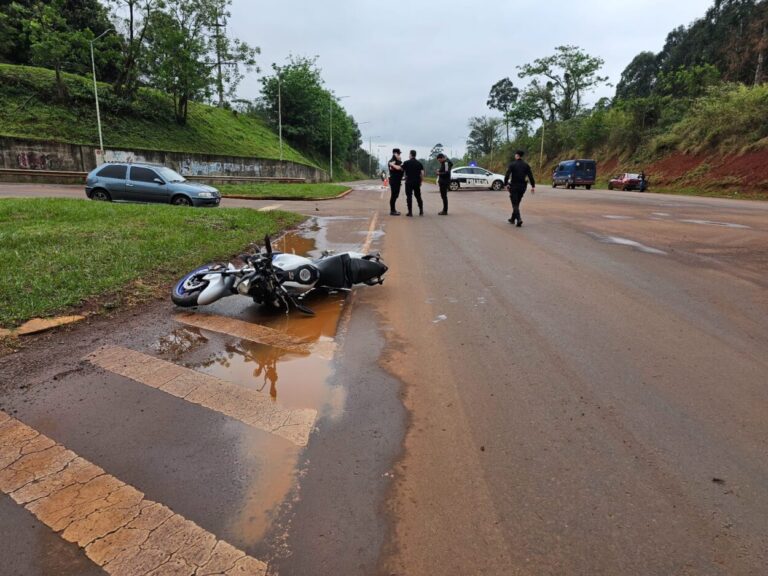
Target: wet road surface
[(585, 395), (588, 392)]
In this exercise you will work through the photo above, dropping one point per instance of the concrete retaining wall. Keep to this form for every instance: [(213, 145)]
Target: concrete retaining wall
[(40, 155)]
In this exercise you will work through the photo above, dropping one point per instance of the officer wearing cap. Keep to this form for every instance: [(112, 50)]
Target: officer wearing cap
[(444, 180), (395, 180), (517, 173)]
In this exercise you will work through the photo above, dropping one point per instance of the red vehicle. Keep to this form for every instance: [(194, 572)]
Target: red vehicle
[(625, 181)]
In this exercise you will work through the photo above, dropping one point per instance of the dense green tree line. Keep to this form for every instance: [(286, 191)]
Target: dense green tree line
[(182, 48), (662, 101), (309, 112)]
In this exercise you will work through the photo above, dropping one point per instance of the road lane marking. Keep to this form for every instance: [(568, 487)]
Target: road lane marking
[(269, 208), (243, 404), (712, 223), (627, 242), (118, 528), (371, 233), (244, 330)]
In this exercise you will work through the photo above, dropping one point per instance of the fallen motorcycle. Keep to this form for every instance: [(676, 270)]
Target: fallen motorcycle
[(278, 279)]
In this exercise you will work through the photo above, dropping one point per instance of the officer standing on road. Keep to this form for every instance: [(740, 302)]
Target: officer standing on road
[(395, 179), (517, 172), (444, 180), (414, 176), (643, 182)]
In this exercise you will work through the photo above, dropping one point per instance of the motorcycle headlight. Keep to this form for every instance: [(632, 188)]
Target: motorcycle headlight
[(204, 195)]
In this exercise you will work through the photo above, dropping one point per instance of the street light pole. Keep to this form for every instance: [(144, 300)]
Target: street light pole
[(378, 153), (96, 91), (280, 117), (370, 155), (357, 148), (330, 117)]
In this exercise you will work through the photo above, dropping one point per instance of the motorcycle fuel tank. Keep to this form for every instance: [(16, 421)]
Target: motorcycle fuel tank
[(299, 274)]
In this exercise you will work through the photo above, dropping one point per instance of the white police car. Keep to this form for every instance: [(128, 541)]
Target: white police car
[(475, 177)]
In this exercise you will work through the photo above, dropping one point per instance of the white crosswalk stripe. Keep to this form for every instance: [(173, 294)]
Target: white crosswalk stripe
[(118, 528)]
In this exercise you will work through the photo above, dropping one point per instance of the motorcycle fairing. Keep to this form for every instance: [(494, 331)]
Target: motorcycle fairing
[(218, 286)]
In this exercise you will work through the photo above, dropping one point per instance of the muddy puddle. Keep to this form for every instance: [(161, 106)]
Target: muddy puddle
[(289, 377)]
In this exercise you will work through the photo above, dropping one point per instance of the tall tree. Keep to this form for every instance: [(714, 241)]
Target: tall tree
[(309, 110), (724, 38), (182, 54), (502, 96), (483, 135), (572, 73), (135, 17), (53, 44), (639, 77), (436, 150), (87, 18), (298, 88)]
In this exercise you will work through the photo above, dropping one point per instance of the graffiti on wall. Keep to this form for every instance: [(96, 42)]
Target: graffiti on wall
[(118, 156), (190, 167), (31, 160)]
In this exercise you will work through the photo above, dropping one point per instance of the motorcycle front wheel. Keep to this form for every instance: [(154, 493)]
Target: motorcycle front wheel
[(187, 290)]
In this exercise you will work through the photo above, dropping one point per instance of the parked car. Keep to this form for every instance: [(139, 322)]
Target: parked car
[(475, 177), (572, 173), (141, 182), (627, 181)]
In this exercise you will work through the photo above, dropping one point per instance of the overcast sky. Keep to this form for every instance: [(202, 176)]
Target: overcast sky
[(417, 71)]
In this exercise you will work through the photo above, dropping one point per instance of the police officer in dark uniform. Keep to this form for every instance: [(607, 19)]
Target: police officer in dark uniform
[(444, 180), (395, 179), (414, 176), (517, 172)]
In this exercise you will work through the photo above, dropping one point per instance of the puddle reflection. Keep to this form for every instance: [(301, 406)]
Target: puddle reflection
[(294, 379), (179, 342)]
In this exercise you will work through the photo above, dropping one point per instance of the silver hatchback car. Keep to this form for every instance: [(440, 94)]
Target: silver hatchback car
[(137, 182)]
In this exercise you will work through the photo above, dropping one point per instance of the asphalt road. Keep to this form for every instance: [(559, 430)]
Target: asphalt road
[(586, 394)]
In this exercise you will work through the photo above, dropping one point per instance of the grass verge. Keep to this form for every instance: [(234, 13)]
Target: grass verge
[(283, 191), (59, 253)]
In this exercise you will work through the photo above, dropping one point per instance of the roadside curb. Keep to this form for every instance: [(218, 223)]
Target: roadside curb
[(283, 198), (37, 325)]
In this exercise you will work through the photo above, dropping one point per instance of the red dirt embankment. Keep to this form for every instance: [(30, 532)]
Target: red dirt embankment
[(746, 173)]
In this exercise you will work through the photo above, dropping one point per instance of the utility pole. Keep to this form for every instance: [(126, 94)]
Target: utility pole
[(219, 78), (96, 92), (330, 117), (370, 155), (280, 116), (541, 153)]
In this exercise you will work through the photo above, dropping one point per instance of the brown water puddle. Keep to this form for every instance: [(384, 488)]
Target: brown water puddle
[(294, 379)]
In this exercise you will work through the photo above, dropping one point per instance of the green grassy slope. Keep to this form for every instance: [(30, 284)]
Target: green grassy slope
[(29, 109)]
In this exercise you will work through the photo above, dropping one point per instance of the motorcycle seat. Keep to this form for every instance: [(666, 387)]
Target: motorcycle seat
[(334, 271)]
